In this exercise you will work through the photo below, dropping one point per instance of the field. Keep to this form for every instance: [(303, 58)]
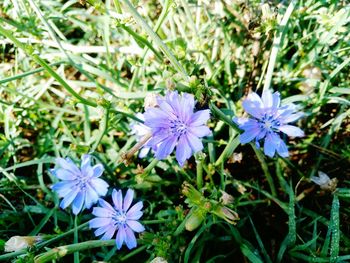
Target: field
[(174, 131)]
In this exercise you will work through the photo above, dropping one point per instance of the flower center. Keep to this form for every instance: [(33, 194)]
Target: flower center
[(82, 181), (120, 218), (269, 122), (178, 127)]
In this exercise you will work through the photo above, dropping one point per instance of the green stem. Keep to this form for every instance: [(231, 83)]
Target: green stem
[(150, 167), (62, 251), (29, 51), (265, 168), (76, 254), (229, 149), (199, 171), (216, 111)]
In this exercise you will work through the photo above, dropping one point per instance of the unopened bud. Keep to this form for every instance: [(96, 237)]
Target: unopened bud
[(195, 219), (16, 243), (227, 214), (325, 182), (226, 199)]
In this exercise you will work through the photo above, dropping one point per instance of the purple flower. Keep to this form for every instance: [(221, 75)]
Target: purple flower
[(79, 187), (174, 123), (267, 120), (119, 217)]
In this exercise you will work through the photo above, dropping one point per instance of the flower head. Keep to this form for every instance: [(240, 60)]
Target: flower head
[(79, 187), (267, 120), (174, 123), (119, 217), (325, 182)]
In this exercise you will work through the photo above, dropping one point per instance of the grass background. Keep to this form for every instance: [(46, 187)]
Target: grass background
[(74, 74)]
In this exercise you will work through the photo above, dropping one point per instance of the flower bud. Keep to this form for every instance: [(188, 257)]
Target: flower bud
[(195, 219), (226, 199), (226, 213), (16, 243), (325, 182), (193, 195)]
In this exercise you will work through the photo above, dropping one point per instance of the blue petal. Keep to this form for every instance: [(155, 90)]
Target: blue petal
[(158, 137), (64, 174), (270, 144), (128, 199), (97, 170), (144, 152), (134, 212), (106, 205), (117, 197), (130, 239), (63, 191), (99, 222), (240, 121), (291, 130), (109, 233), (62, 188), (174, 102), (135, 226), (248, 124), (248, 135), (261, 134), (200, 131), (166, 147), (276, 98), (91, 196), (69, 198), (282, 149), (292, 117), (183, 150), (199, 118), (253, 105), (121, 235), (104, 229), (102, 212), (195, 143), (253, 108), (187, 104), (257, 144), (99, 185), (165, 107), (85, 161), (156, 118), (78, 203), (267, 98), (67, 164)]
